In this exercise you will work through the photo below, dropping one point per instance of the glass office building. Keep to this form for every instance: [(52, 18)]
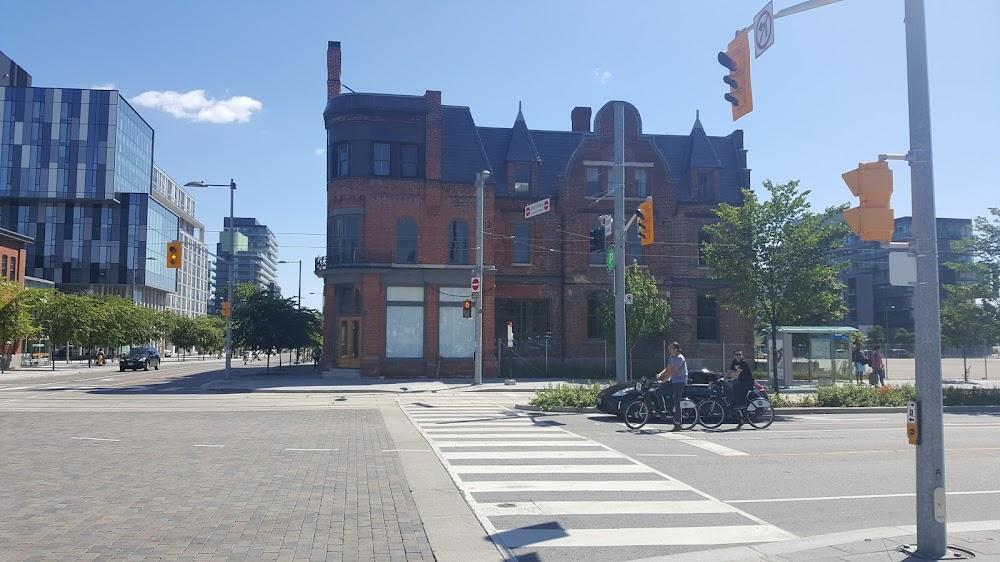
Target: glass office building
[(76, 174)]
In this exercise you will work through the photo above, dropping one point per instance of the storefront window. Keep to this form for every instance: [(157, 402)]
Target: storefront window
[(404, 326), (456, 334)]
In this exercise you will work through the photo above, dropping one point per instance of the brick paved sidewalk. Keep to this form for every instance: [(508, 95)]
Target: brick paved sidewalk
[(228, 486)]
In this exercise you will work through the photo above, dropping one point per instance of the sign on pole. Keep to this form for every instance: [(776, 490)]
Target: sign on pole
[(763, 30), (537, 208), (510, 334), (610, 257), (609, 224), (475, 286), (628, 298)]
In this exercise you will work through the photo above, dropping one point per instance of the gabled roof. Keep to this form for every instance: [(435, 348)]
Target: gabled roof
[(701, 154), (522, 146)]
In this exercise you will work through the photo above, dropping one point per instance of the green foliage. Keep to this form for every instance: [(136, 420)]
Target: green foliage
[(971, 396), (863, 395), (184, 333), (963, 324), (903, 338), (984, 271), (793, 401), (209, 333), (567, 396), (775, 258), (15, 317), (268, 322), (876, 335), (648, 316)]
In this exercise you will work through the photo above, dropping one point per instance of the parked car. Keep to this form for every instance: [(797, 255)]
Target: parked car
[(140, 358), (614, 399), (898, 353)]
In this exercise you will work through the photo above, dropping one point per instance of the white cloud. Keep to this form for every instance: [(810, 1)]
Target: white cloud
[(105, 86), (195, 106), (602, 75), (319, 151)]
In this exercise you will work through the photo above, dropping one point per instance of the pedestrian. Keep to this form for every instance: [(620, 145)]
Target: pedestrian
[(317, 355), (673, 379), (859, 360), (100, 357), (878, 366)]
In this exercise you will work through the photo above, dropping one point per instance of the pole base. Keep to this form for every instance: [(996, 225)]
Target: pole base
[(951, 553)]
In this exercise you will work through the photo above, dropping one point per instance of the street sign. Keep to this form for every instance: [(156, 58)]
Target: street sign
[(537, 208), (610, 257), (609, 224), (763, 30), (628, 298), (475, 286), (510, 334), (902, 269)]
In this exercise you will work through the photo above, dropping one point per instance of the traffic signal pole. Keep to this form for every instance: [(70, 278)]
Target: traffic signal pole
[(932, 533), (618, 177)]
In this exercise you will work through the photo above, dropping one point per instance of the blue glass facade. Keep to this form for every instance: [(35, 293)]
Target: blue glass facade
[(76, 172)]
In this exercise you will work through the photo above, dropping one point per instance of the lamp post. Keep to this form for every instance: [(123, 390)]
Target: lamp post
[(481, 178), (300, 278), (229, 289)]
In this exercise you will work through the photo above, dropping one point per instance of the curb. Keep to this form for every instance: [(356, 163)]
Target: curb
[(560, 409), (342, 390), (795, 411)]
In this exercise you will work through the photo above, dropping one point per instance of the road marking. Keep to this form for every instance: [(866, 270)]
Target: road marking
[(16, 388), (598, 454), (483, 486), (448, 431), (644, 536), (706, 445), (662, 455), (576, 443), (551, 469), (872, 496), (321, 450), (94, 439), (868, 452), (406, 450), (537, 434), (605, 507), (219, 446), (104, 380)]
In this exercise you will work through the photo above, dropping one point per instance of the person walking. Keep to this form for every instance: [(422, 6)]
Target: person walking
[(317, 355), (878, 366), (859, 360), (674, 379)]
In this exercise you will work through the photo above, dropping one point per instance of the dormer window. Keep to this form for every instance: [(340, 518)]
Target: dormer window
[(704, 188), (522, 178)]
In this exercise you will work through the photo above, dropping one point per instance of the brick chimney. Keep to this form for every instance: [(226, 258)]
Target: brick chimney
[(580, 118), (432, 131), (332, 69)]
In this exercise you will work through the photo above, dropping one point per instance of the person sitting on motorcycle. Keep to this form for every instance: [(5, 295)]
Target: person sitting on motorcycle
[(739, 370)]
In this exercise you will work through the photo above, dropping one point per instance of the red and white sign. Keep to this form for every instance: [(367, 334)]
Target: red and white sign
[(510, 334), (475, 285), (538, 207)]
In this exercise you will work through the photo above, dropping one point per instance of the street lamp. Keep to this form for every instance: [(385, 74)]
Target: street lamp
[(229, 290), (300, 278), (481, 178)]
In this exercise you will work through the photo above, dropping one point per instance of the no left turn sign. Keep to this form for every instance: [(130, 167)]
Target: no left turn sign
[(763, 30)]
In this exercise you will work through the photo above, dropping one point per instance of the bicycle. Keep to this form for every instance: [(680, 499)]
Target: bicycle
[(647, 406), (758, 411)]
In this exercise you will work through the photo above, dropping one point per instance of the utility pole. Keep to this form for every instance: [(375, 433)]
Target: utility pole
[(618, 178), (932, 532), (481, 177)]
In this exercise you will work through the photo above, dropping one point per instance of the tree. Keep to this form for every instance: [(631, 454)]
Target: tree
[(210, 333), (876, 334), (64, 318), (963, 324), (266, 322), (774, 258), (648, 315), (983, 272), (184, 334), (15, 319), (904, 338)]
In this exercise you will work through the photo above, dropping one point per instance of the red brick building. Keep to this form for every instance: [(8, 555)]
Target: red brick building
[(401, 212), (12, 252)]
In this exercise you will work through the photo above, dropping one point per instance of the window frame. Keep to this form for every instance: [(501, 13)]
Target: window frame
[(376, 161), (707, 326), (641, 188), (404, 163), (522, 245), (703, 238), (413, 238), (593, 185), (343, 160), (458, 249)]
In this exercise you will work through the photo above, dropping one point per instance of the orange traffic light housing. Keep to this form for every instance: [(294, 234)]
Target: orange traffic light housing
[(873, 219), (737, 59), (227, 309), (645, 215), (174, 254), (467, 309)]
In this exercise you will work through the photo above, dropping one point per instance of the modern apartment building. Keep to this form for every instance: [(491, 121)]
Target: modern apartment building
[(870, 299), (76, 171), (193, 280), (253, 249)]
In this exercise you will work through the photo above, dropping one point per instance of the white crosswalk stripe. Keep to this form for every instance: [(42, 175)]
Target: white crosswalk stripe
[(519, 470)]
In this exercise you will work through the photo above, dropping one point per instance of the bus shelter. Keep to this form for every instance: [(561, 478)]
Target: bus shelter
[(811, 355)]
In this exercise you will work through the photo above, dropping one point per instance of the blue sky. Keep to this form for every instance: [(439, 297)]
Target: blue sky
[(830, 93)]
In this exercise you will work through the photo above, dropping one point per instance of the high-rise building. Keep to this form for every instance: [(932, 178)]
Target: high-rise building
[(870, 299), (253, 249), (191, 298), (75, 174)]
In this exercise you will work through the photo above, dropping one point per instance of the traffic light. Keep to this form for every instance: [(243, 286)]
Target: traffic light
[(737, 59), (227, 309), (645, 214), (174, 253), (467, 309), (597, 239), (873, 219)]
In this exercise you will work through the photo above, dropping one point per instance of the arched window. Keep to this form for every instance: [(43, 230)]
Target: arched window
[(406, 240), (458, 242)]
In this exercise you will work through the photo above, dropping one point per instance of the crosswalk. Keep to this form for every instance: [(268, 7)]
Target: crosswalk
[(545, 493)]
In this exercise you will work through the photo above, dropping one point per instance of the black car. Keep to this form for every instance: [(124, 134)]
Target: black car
[(140, 358), (614, 399)]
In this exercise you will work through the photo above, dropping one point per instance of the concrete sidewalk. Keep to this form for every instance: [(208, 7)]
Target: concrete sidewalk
[(77, 367), (980, 538)]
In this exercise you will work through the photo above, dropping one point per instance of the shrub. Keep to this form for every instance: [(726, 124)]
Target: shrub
[(857, 395), (971, 396), (793, 401), (567, 396)]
